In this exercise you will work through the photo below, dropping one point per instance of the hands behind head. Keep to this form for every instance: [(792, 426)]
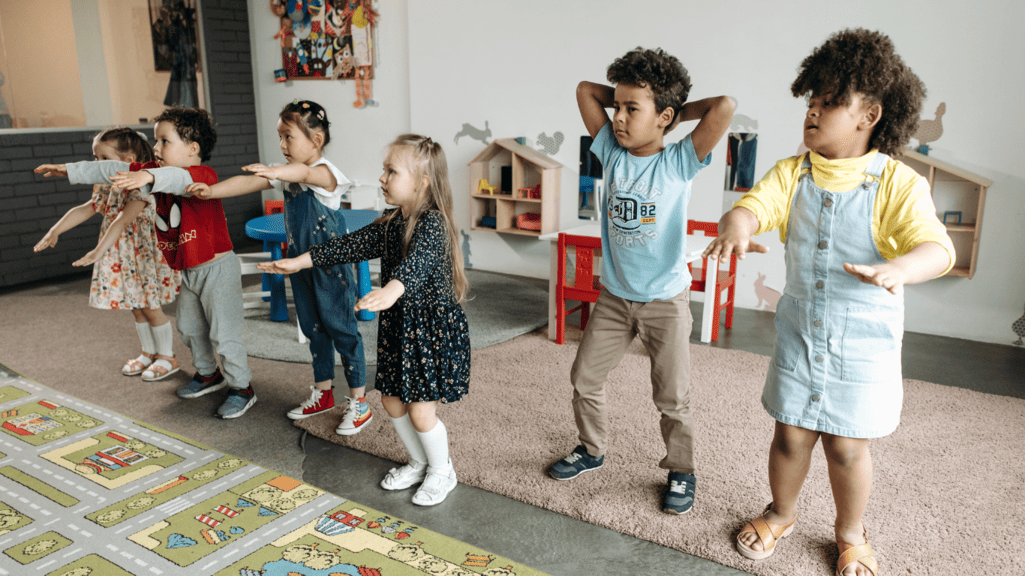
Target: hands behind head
[(48, 170)]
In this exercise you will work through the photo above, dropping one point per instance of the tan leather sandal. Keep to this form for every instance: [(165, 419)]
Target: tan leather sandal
[(852, 553), (134, 367), (157, 371), (768, 534)]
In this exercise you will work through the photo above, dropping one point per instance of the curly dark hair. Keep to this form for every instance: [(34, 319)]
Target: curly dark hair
[(308, 116), (192, 125), (655, 69), (864, 62)]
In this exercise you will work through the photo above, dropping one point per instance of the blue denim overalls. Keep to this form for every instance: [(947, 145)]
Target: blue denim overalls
[(324, 297), (836, 367)]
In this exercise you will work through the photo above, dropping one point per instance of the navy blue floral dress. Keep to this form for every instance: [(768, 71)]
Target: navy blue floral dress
[(423, 341)]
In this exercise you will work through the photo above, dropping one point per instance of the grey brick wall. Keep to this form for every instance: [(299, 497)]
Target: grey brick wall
[(31, 204)]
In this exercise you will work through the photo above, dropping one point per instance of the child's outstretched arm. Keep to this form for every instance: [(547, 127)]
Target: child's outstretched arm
[(72, 218), (382, 298), (319, 175), (127, 215), (714, 115), (234, 186), (735, 230), (592, 100), (287, 265), (924, 262)]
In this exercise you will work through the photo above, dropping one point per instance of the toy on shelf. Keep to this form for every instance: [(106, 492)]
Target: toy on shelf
[(531, 193), (488, 222), (484, 186), (528, 221), (280, 75), (952, 213)]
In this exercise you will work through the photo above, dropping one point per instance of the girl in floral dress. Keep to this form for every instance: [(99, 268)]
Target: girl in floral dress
[(130, 272), (423, 340)]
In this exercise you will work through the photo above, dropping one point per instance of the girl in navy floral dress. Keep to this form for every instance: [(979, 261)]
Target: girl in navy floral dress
[(423, 340)]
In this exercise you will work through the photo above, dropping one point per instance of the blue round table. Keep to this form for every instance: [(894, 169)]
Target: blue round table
[(271, 229)]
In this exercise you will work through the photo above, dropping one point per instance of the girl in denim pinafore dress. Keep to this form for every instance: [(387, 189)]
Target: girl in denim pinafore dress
[(324, 297)]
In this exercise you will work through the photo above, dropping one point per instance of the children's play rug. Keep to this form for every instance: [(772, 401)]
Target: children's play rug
[(84, 491)]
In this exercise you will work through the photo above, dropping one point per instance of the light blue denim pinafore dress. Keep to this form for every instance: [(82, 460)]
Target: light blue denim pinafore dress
[(324, 297), (836, 367)]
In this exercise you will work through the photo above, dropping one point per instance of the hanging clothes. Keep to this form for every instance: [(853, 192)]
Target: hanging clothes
[(742, 149)]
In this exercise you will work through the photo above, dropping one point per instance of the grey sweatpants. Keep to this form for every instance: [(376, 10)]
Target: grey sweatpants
[(209, 318)]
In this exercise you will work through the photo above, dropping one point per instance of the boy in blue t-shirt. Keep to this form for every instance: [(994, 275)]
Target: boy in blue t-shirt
[(644, 269)]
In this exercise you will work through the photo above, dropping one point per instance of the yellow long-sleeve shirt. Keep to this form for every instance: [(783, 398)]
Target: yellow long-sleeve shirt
[(904, 214)]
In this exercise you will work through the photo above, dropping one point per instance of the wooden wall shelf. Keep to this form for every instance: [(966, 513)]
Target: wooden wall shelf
[(955, 189)]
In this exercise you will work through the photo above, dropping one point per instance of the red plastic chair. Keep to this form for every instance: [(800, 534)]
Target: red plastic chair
[(726, 280), (276, 207), (585, 288)]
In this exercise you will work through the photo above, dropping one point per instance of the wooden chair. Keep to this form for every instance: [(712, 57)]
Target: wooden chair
[(725, 280), (585, 287)]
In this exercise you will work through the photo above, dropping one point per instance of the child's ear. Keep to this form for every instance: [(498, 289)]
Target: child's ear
[(871, 116), (130, 157), (194, 148), (666, 117), (318, 139)]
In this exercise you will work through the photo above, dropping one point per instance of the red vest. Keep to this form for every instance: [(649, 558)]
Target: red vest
[(190, 231)]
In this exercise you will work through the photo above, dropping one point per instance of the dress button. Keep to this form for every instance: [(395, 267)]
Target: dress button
[(828, 202), (823, 245), (820, 284), (818, 323), (819, 358), (815, 397)]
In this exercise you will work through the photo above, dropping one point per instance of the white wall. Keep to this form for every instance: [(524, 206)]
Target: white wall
[(358, 136), (516, 65)]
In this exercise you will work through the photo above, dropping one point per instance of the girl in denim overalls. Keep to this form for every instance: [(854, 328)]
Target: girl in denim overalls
[(857, 226), (324, 297)]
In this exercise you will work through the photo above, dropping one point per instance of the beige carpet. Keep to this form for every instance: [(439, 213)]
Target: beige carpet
[(948, 495)]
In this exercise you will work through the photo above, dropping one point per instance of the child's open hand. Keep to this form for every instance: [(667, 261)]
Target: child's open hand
[(268, 172), (286, 265), (132, 180), (48, 170), (48, 241), (199, 190), (884, 275), (381, 298), (731, 243), (91, 257)]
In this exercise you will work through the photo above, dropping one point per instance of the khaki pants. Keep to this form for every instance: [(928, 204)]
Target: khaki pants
[(664, 328)]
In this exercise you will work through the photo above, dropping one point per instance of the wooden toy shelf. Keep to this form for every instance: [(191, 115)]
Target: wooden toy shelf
[(528, 168), (956, 192)]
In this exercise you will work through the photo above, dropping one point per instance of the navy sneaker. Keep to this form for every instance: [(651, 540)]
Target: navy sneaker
[(575, 464), (201, 385), (679, 498), (238, 401)]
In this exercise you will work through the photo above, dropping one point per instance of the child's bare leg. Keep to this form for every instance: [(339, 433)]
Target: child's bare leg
[(789, 460), (423, 415), (155, 316), (850, 477), (393, 406)]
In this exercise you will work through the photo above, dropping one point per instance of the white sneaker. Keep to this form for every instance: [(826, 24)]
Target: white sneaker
[(405, 476), (357, 415), (436, 486)]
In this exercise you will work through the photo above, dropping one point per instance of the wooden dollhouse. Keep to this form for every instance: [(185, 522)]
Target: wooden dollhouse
[(526, 201)]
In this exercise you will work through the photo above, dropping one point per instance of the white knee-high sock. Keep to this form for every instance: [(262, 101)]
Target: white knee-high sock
[(435, 443), (146, 337), (410, 439), (164, 339)]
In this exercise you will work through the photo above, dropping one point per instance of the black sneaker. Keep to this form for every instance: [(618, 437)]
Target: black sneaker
[(575, 464), (679, 498), (201, 385)]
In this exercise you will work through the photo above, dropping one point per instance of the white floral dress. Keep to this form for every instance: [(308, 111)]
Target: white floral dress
[(132, 274)]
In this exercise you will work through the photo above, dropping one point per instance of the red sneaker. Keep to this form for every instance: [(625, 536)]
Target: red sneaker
[(320, 401)]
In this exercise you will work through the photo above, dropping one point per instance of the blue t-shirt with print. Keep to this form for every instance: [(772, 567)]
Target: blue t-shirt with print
[(644, 217)]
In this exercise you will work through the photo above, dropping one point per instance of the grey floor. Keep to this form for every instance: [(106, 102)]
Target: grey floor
[(564, 546)]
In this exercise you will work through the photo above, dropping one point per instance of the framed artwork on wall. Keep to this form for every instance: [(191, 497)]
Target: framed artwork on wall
[(326, 40)]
